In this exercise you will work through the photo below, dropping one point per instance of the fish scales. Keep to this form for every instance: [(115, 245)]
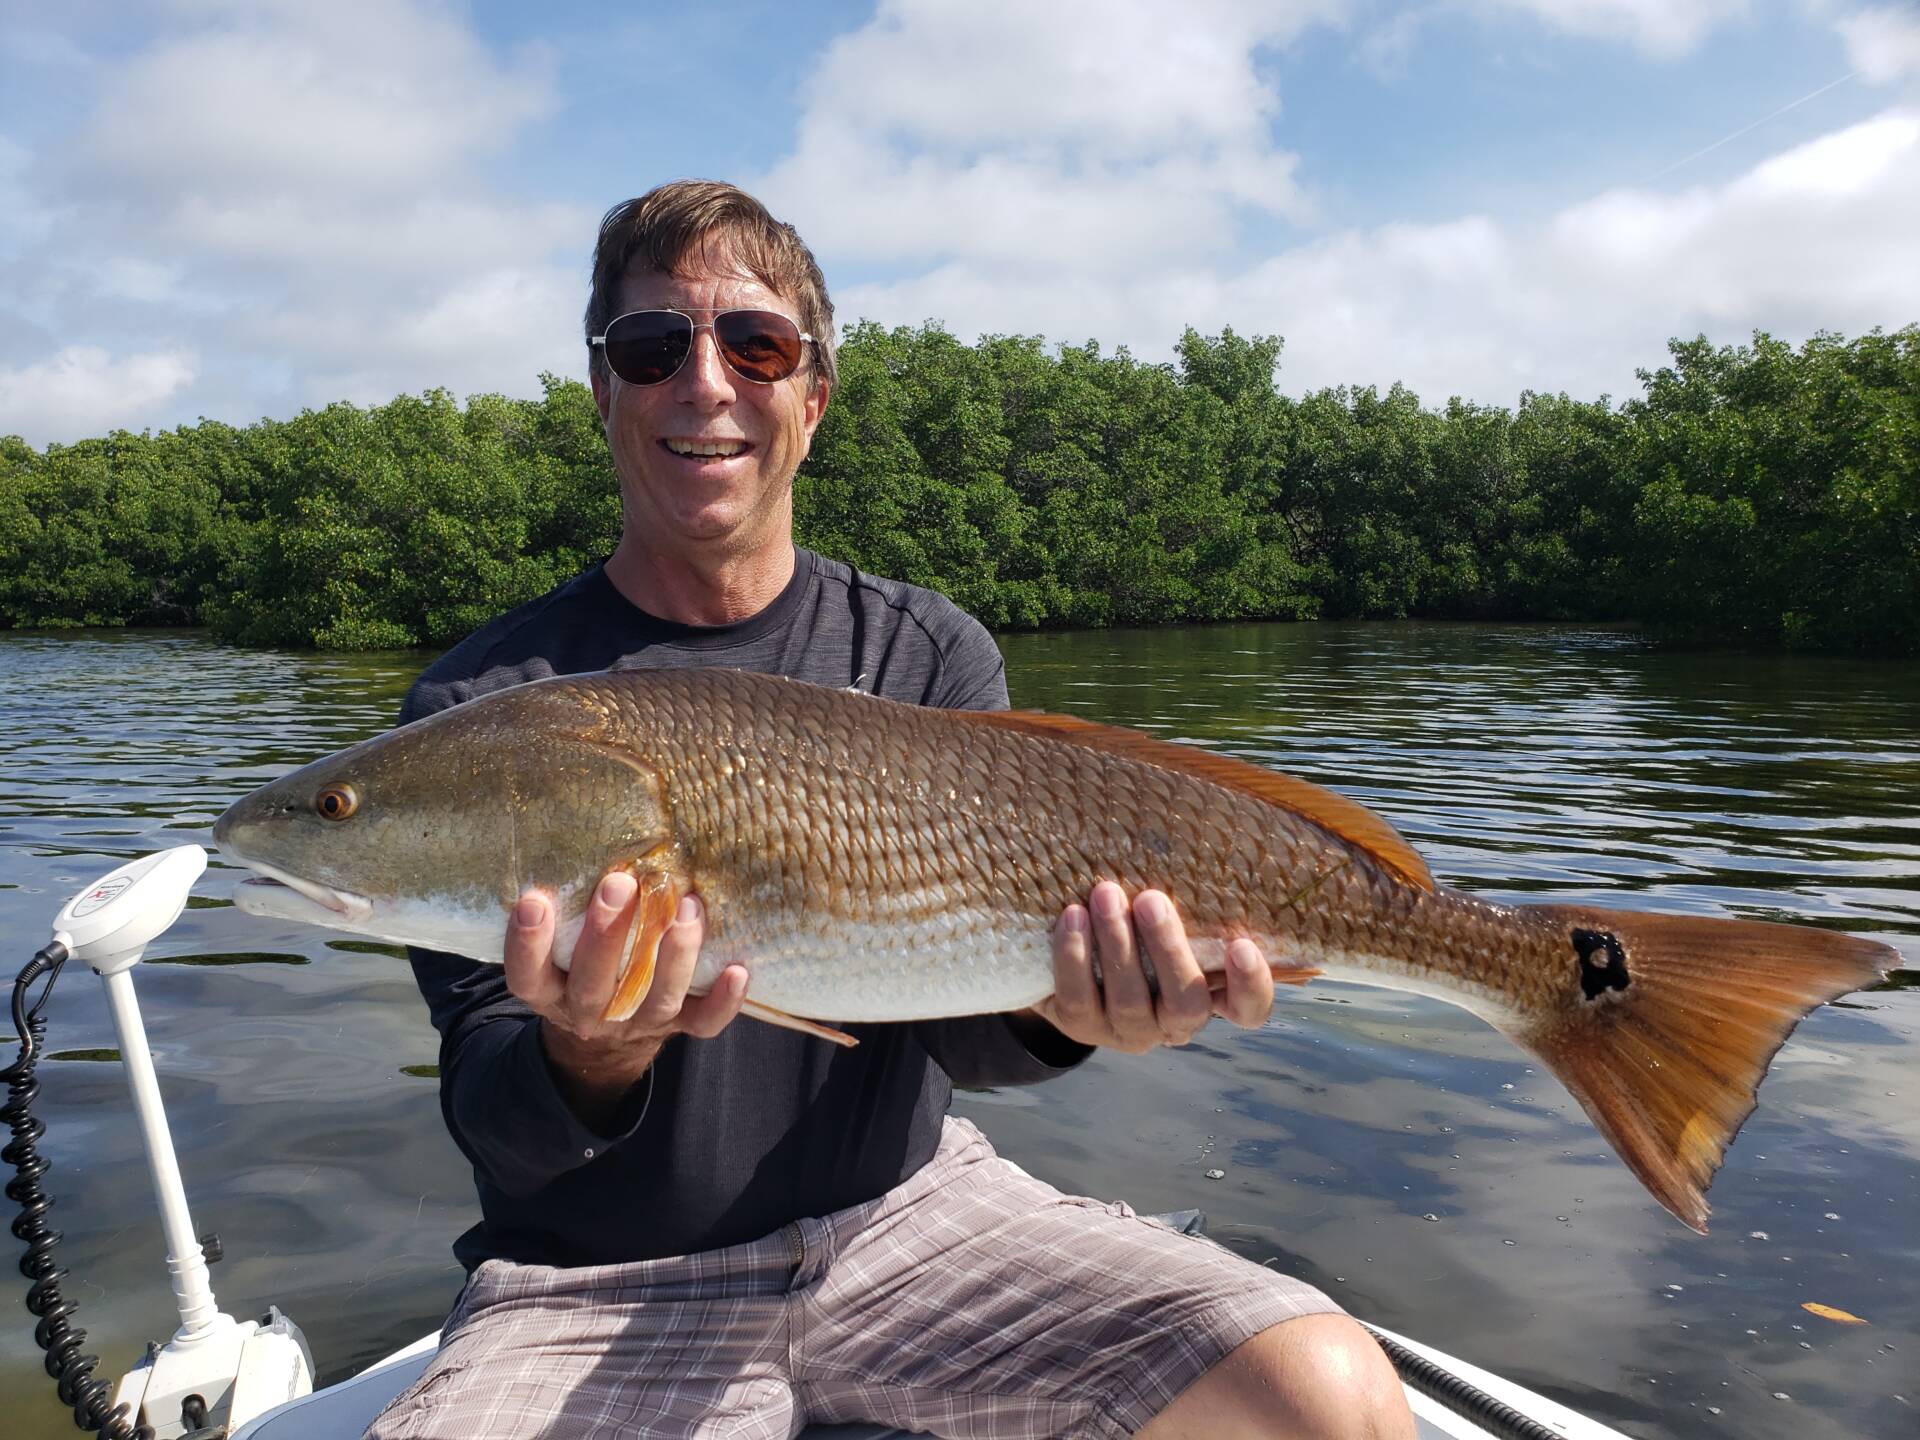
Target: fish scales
[(971, 837), (867, 860)]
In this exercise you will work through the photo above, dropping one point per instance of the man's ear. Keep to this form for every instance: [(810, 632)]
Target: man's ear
[(817, 398), (602, 391)]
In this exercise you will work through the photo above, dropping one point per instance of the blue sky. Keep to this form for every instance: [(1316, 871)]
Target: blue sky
[(236, 208)]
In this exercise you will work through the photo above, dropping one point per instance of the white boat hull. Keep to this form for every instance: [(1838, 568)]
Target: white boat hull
[(343, 1411)]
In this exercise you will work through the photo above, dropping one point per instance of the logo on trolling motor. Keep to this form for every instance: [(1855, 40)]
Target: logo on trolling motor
[(100, 895)]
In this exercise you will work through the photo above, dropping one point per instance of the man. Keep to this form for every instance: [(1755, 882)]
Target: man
[(697, 1226)]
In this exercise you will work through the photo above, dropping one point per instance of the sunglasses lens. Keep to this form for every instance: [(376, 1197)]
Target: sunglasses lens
[(759, 344), (647, 347)]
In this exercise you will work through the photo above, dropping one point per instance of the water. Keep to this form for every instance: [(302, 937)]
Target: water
[(1392, 1150)]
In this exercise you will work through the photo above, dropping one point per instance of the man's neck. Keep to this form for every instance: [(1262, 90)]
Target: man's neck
[(700, 590)]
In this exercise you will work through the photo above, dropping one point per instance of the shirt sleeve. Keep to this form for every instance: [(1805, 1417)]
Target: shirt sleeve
[(973, 674), (497, 1092), (979, 1052)]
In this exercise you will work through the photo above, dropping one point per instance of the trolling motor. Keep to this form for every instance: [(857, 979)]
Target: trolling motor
[(216, 1372)]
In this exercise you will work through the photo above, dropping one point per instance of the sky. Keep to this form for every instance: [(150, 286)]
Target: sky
[(241, 208)]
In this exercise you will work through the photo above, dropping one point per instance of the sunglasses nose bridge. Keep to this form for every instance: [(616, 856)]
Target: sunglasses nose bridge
[(705, 368)]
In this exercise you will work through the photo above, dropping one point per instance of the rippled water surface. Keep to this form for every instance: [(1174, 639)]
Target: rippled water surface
[(1391, 1149)]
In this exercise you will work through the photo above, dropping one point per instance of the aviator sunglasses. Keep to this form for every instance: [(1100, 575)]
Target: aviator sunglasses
[(648, 347)]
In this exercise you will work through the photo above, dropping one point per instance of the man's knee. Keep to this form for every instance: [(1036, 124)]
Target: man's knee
[(1317, 1376), (1338, 1380)]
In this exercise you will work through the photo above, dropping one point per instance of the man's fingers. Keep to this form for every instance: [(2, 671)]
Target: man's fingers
[(1249, 997), (705, 1016), (531, 973), (1184, 1006), (1129, 1005), (595, 968), (1075, 1008), (674, 964)]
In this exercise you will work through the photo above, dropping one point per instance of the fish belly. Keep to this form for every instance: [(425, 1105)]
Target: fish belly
[(960, 962)]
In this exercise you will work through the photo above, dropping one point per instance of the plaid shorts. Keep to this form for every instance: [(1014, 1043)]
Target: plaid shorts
[(970, 1300)]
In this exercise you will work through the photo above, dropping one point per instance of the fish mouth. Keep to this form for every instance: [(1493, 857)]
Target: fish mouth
[(348, 906)]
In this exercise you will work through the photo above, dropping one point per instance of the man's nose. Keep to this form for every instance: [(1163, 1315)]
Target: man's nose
[(705, 375)]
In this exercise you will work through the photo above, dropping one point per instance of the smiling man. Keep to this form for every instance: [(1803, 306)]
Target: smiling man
[(692, 1226)]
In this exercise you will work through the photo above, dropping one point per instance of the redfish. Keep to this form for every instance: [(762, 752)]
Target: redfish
[(871, 861)]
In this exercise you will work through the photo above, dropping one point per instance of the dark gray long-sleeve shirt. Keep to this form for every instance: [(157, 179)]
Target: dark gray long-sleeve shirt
[(728, 1139)]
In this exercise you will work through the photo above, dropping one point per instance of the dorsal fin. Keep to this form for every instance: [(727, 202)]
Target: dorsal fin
[(1348, 819)]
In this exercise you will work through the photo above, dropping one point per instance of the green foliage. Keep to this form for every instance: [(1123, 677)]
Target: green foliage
[(1755, 492), (1778, 492)]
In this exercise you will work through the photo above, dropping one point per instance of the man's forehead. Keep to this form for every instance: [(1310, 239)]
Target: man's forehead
[(722, 285)]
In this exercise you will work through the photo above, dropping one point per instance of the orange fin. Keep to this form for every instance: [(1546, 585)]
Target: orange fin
[(1669, 1023), (1348, 819), (653, 911), (1282, 975), (794, 1022)]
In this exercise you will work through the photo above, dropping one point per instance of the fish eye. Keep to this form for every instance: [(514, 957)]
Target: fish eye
[(336, 802)]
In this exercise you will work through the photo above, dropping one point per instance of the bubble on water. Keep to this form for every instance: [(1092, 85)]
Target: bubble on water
[(1832, 1216), (1216, 1174), (1781, 1395), (1676, 1287), (1758, 1235), (1509, 1242), (1429, 1217), (1713, 1409)]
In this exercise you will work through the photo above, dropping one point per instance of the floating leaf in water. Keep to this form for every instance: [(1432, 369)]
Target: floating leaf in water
[(84, 1055), (1828, 1312), (421, 1072), (235, 957), (368, 947)]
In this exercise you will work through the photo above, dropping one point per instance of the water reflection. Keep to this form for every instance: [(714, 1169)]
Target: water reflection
[(1522, 761)]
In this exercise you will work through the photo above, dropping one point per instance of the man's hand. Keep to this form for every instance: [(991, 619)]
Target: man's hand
[(1118, 1009), (597, 1061)]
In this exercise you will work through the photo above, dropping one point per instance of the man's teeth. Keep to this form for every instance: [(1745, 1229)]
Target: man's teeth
[(706, 448)]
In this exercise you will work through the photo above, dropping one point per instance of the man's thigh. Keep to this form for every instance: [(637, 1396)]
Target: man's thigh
[(992, 1304), (578, 1355)]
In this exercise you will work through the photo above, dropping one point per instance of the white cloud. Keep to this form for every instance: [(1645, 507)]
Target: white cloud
[(84, 390), (1818, 237), (1664, 29), (1883, 42), (298, 190), (1073, 131)]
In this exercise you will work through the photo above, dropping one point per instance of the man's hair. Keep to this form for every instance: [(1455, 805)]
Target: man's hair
[(688, 225)]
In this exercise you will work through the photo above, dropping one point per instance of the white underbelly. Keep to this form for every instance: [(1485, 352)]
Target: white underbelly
[(956, 963)]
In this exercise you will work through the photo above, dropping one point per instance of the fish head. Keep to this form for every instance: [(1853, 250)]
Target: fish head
[(427, 834)]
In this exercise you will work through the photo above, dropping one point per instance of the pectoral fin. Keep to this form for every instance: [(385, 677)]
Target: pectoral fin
[(661, 888), (794, 1022)]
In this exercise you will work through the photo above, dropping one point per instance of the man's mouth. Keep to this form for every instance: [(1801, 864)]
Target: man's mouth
[(707, 449)]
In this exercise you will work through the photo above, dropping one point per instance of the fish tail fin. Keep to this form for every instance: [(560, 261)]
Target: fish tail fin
[(1673, 1024)]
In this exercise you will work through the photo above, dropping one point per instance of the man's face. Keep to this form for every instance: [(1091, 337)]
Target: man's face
[(732, 503)]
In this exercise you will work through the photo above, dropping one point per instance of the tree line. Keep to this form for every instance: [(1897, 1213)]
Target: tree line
[(1755, 493)]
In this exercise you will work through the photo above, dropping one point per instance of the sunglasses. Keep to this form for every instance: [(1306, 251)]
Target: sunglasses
[(648, 347)]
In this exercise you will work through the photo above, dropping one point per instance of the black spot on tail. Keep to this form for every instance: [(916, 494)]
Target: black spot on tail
[(1603, 963)]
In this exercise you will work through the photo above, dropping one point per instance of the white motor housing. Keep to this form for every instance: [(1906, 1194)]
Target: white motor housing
[(239, 1370)]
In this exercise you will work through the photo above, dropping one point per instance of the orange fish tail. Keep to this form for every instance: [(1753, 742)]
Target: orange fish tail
[(1672, 1027)]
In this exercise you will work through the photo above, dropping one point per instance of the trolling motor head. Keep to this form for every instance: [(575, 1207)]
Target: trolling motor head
[(111, 923)]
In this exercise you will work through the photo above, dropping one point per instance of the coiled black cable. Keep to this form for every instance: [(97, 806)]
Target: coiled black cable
[(1461, 1396), (55, 1332)]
